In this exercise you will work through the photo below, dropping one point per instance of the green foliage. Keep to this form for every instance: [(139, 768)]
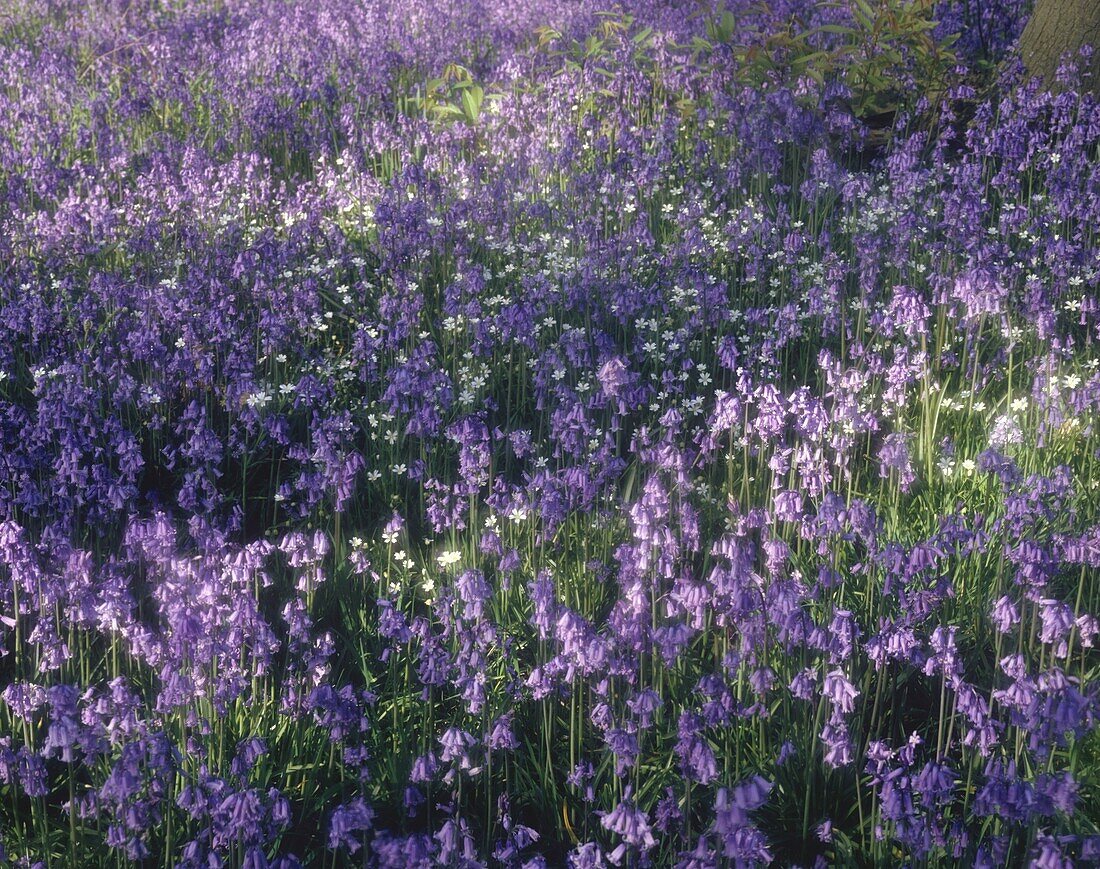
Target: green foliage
[(452, 97), (882, 51)]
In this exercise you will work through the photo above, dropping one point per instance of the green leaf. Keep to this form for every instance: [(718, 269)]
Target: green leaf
[(842, 29), (471, 103), (701, 45)]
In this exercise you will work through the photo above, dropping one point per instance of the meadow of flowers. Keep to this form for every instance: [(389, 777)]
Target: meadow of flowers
[(533, 434)]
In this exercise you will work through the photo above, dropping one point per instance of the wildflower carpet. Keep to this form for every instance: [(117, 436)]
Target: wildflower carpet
[(493, 433)]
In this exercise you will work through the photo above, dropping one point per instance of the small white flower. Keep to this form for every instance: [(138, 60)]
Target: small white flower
[(448, 558)]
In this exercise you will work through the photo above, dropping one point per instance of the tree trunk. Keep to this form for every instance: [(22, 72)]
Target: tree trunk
[(1057, 27)]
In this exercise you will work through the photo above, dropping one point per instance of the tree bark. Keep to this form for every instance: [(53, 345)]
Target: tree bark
[(1057, 27)]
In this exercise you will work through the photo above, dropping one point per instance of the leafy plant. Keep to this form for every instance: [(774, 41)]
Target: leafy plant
[(453, 96), (880, 51)]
